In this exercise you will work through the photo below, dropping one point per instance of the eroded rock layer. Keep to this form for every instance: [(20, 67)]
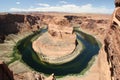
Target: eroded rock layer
[(112, 43), (55, 43)]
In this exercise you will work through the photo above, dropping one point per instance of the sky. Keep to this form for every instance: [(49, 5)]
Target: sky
[(71, 6)]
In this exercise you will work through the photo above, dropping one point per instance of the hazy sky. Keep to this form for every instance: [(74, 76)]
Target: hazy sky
[(76, 6)]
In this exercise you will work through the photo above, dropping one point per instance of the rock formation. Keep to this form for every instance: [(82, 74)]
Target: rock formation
[(5, 73), (75, 19), (51, 77), (57, 42), (117, 3), (112, 43), (33, 76), (116, 15), (8, 23), (18, 23), (60, 27), (2, 38), (15, 23)]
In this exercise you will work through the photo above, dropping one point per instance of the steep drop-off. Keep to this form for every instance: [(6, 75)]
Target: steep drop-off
[(112, 43)]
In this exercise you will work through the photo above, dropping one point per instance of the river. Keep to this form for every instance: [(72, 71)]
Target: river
[(79, 65)]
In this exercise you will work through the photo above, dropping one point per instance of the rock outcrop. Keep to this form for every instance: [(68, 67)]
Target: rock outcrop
[(117, 3), (5, 73), (55, 43), (33, 76), (75, 19), (112, 43), (8, 23), (2, 38), (16, 23)]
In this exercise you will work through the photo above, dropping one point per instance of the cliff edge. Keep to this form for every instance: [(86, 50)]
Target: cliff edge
[(112, 43)]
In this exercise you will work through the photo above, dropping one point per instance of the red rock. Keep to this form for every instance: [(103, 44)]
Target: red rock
[(112, 44), (5, 73)]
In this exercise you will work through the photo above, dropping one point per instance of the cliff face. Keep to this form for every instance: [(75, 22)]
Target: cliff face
[(8, 23), (112, 48), (112, 43), (14, 23), (5, 73)]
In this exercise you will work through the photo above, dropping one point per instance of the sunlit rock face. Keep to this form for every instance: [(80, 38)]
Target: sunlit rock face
[(56, 42), (112, 43)]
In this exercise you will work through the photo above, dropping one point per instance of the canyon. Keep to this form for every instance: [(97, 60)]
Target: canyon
[(17, 26), (56, 22)]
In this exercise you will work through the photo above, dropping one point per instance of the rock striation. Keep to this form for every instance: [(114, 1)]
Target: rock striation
[(8, 23), (16, 23), (112, 43), (56, 43)]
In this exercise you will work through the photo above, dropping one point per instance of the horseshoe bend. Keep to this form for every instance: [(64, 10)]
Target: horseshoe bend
[(55, 43), (59, 46), (55, 46), (53, 57)]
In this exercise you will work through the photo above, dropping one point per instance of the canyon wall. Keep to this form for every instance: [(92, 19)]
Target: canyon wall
[(5, 73), (112, 43), (16, 23)]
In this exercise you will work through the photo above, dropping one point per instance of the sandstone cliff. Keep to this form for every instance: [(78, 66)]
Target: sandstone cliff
[(112, 43), (5, 73), (15, 23)]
